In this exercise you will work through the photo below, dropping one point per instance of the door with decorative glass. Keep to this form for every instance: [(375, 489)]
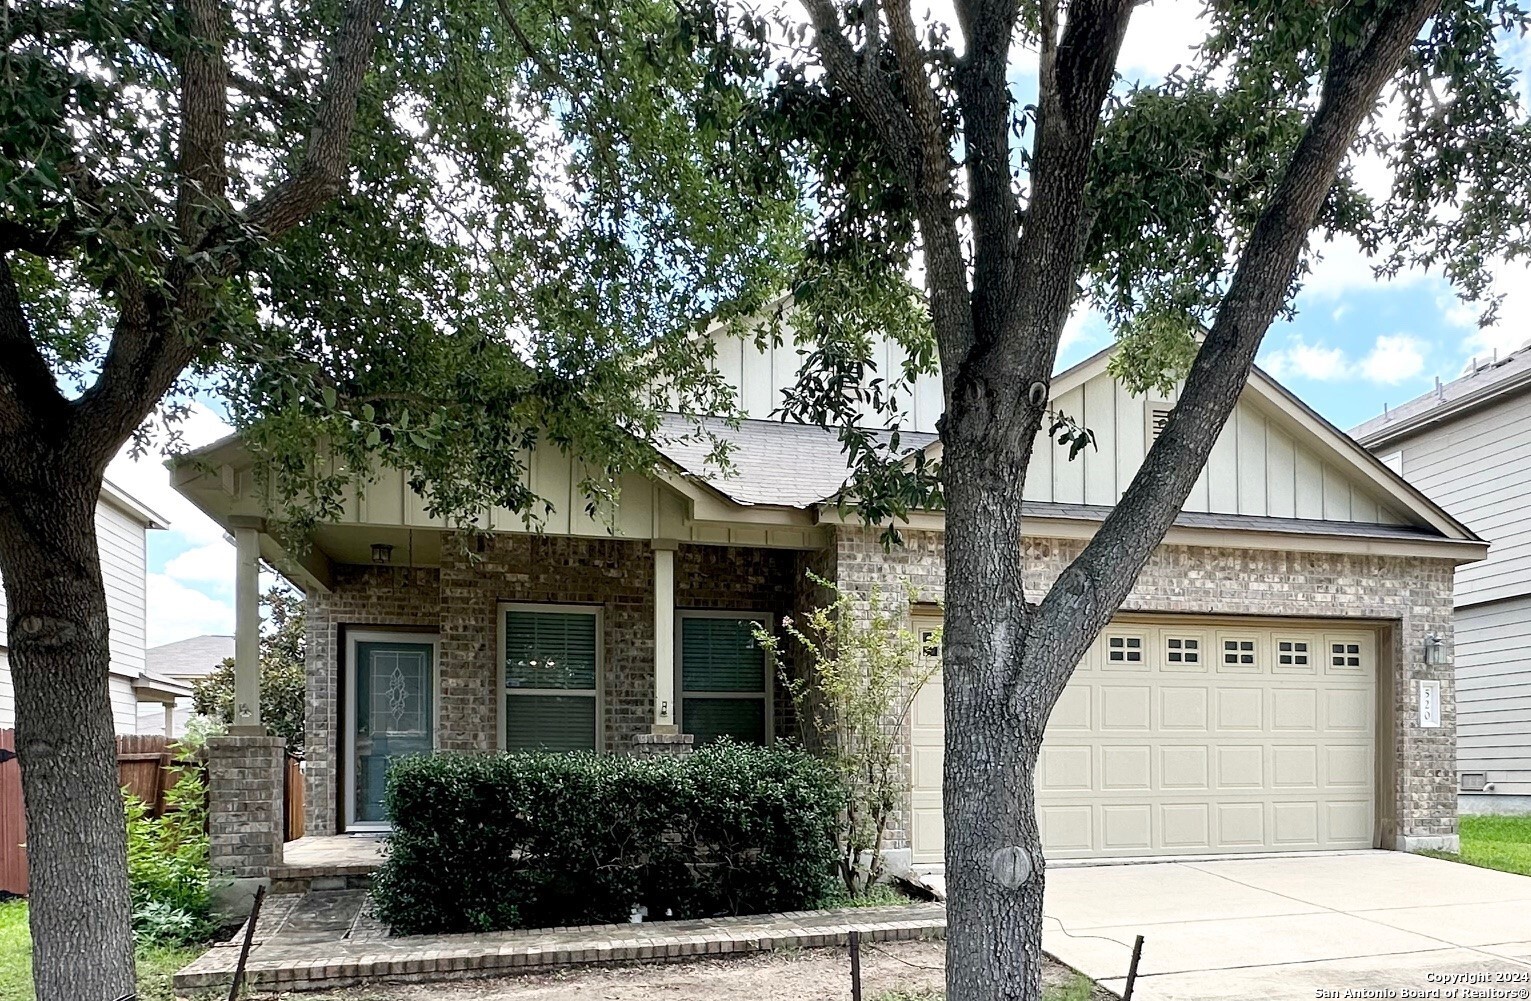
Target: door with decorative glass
[(392, 680)]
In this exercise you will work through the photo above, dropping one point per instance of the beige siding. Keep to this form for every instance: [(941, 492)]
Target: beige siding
[(761, 375), (1493, 662), (123, 567), (1478, 467), (1260, 465)]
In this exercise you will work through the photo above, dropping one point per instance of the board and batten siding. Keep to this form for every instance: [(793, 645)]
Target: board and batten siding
[(121, 538), (1478, 467), (1258, 467), (1493, 665)]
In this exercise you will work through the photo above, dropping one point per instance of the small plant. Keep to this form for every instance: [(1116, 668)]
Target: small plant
[(168, 869), (864, 669)]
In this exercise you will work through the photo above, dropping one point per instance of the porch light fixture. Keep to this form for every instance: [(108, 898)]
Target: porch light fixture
[(382, 553), (1435, 649)]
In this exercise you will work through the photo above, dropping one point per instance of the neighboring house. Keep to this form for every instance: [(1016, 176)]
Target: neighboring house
[(184, 662), (121, 526), (1468, 445), (1260, 690)]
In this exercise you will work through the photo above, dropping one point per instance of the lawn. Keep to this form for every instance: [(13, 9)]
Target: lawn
[(156, 964), (1494, 842)]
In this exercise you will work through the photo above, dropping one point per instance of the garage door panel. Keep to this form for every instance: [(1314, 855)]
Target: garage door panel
[(1066, 768), (1124, 707), (1067, 830), (1185, 827), (1189, 739), (1294, 710), (1125, 768), (1185, 767), (1241, 709), (1184, 709)]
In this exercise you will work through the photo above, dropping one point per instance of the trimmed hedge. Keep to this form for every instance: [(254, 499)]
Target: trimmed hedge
[(490, 842)]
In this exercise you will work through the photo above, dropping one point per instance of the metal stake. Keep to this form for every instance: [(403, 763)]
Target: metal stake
[(1132, 969), (244, 950), (855, 966)]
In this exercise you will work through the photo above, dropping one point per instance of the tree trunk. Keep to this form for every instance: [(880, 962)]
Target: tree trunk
[(994, 945), (80, 912)]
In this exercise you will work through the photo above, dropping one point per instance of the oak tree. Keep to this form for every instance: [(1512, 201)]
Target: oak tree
[(1184, 210), (433, 252)]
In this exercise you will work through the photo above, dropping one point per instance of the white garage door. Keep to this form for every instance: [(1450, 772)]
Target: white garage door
[(1183, 737)]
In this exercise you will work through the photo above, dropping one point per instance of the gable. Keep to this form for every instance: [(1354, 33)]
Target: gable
[(1275, 458)]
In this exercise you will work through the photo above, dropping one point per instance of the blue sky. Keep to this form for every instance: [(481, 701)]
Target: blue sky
[(1355, 345)]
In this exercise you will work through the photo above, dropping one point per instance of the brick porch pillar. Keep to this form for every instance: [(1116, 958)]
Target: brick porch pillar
[(653, 745), (245, 776)]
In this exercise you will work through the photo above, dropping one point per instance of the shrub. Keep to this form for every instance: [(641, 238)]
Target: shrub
[(865, 667), (488, 842), (168, 871)]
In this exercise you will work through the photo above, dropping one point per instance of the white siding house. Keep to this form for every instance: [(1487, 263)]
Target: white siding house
[(122, 524), (1467, 444)]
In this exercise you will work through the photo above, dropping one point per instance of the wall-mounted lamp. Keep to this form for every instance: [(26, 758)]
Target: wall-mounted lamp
[(382, 553), (1435, 649)]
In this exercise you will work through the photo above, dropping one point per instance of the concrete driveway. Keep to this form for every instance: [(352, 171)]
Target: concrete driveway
[(1294, 927)]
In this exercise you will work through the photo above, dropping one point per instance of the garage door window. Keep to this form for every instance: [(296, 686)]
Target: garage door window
[(1294, 655), (1124, 650), (1182, 650), (1239, 653), (1345, 654)]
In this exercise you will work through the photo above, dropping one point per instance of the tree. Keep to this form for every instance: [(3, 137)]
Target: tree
[(1183, 211), (283, 678), (433, 253), (856, 680)]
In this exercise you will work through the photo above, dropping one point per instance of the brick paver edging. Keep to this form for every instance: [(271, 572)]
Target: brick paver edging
[(342, 963)]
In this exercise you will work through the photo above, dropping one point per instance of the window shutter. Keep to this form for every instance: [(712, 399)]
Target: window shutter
[(550, 650), (721, 655)]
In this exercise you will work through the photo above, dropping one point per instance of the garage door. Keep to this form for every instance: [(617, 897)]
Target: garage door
[(1193, 737)]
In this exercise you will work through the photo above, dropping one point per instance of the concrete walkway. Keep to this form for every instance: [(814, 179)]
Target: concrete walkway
[(1294, 927)]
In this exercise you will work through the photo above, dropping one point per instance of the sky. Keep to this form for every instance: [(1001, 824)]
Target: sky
[(1355, 345)]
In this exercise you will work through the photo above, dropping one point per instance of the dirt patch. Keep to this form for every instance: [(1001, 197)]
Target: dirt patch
[(917, 968)]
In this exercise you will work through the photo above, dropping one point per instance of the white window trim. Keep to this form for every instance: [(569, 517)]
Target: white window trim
[(599, 613), (354, 637), (681, 695)]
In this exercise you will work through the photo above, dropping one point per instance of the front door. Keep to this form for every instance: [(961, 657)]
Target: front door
[(393, 696)]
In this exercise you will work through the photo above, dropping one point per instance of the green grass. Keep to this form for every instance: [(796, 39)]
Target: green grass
[(881, 895), (1494, 842), (156, 964)]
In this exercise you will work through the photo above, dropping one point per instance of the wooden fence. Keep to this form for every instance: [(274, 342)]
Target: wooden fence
[(146, 767)]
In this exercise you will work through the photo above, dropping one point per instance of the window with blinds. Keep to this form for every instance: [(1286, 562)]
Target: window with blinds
[(552, 666), (723, 678)]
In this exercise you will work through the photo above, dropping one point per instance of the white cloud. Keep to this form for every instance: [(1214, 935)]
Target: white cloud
[(1511, 330), (1311, 361), (1161, 35), (1340, 266), (177, 611), (212, 563), (1394, 358), (147, 479)]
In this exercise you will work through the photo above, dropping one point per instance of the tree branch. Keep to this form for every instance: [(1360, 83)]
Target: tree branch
[(323, 173), (1094, 585), (39, 243), (159, 333), (29, 394), (202, 174)]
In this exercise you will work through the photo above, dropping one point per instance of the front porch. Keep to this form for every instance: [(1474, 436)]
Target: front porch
[(327, 862)]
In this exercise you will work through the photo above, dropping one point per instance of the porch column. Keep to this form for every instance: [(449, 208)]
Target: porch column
[(247, 719), (664, 636)]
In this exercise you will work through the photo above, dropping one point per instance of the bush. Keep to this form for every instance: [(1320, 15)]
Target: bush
[(489, 842), (168, 872)]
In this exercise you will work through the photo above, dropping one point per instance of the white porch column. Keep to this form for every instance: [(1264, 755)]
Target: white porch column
[(246, 629), (664, 636)]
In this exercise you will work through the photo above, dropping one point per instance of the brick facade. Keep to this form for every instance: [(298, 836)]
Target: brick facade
[(460, 603), (244, 811), (1411, 594)]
